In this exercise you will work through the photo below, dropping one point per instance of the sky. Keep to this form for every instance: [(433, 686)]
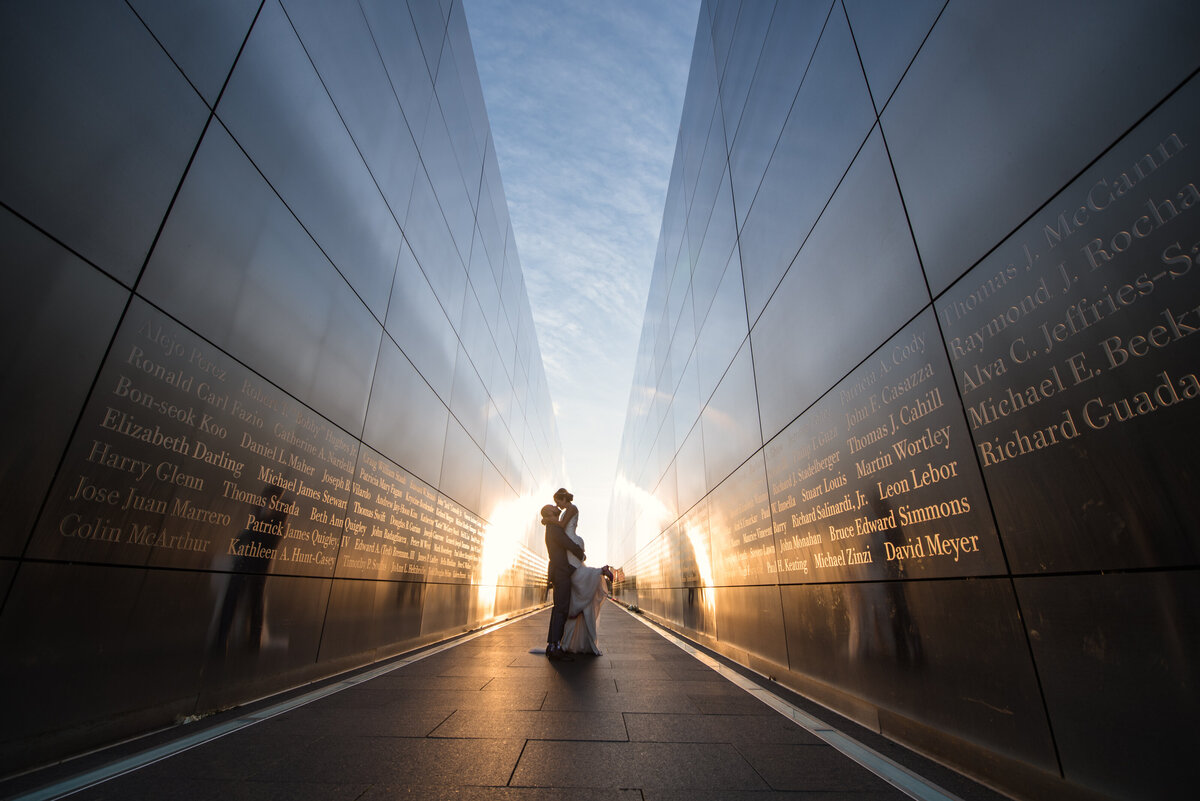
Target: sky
[(584, 100)]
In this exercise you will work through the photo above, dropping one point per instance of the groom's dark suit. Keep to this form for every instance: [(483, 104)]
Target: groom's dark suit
[(557, 545)]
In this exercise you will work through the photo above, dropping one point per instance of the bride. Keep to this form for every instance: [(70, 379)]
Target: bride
[(588, 589)]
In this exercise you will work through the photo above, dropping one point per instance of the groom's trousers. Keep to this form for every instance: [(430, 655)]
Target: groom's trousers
[(562, 602)]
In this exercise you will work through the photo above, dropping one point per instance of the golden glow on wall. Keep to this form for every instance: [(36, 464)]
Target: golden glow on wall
[(511, 552)]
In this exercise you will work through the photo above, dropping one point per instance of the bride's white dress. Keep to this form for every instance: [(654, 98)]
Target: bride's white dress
[(588, 594)]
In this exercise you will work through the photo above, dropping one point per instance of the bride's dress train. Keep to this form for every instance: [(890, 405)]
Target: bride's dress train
[(588, 594)]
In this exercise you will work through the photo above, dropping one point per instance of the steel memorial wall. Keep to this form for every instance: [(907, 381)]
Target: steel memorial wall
[(273, 402), (916, 406)]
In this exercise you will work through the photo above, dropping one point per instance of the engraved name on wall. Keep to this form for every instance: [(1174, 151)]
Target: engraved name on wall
[(400, 527), (185, 458), (877, 480), (1074, 352)]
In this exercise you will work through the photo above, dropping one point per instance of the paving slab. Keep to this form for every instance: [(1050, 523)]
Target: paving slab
[(740, 730), (677, 765), (541, 725)]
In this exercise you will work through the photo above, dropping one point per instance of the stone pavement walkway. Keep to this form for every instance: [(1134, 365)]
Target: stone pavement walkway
[(487, 719)]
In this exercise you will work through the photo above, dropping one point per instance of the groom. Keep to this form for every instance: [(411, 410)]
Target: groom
[(557, 545)]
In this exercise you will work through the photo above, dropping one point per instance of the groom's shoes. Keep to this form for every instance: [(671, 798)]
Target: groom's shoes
[(557, 654)]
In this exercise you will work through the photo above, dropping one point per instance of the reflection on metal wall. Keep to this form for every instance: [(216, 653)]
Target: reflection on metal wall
[(913, 423), (273, 401)]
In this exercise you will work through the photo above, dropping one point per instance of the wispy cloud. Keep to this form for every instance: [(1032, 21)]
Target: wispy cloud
[(584, 101)]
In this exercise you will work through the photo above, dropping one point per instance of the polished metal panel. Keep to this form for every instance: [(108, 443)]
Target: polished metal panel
[(724, 18), (888, 36), (487, 222), (483, 281), (183, 458), (782, 64), (1132, 640), (667, 496), (399, 396), (730, 425), (473, 120), (281, 115), (501, 450), (496, 494), (677, 294), (308, 287), (418, 324), (117, 626), (662, 342), (446, 177), (961, 129), (517, 352), (63, 311), (740, 517), (720, 239), (948, 654), (234, 265), (974, 375), (685, 405), (353, 635), (400, 528), (496, 384), (460, 134), (723, 332), (8, 569), (203, 37), (751, 619), (682, 343), (753, 20), (503, 400), (92, 155), (663, 450), (430, 26), (337, 38), (468, 400), (829, 120), (794, 360), (512, 294), (286, 653), (477, 341), (444, 609), (1072, 348), (397, 43), (689, 469), (695, 580), (878, 479), (669, 562), (708, 181), (462, 466), (674, 231), (395, 619), (699, 106)]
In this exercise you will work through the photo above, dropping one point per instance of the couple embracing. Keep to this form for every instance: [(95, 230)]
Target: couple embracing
[(579, 590)]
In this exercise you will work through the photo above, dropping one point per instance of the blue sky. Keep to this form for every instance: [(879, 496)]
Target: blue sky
[(584, 101)]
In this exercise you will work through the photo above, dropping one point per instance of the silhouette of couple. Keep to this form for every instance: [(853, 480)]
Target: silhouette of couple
[(579, 590)]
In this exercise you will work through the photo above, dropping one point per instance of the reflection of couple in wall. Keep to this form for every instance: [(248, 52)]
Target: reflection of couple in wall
[(881, 625), (579, 590), (254, 549)]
